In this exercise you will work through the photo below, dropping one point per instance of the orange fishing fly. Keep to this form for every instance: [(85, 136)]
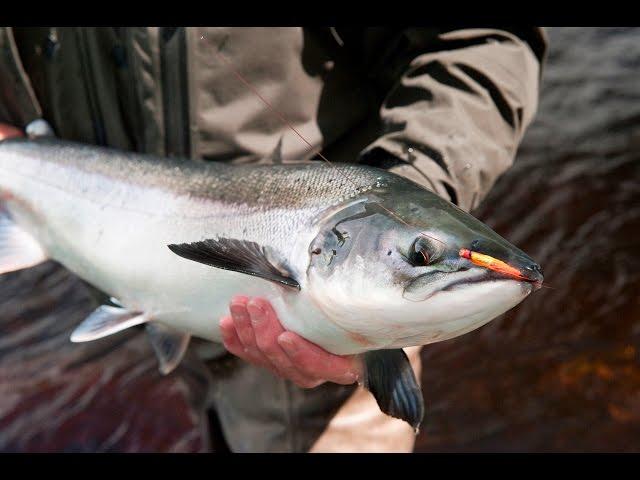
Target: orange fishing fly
[(491, 263)]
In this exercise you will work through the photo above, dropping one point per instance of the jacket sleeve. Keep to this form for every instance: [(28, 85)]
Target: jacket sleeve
[(456, 113)]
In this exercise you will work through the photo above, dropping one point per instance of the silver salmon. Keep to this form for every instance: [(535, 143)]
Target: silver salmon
[(353, 258)]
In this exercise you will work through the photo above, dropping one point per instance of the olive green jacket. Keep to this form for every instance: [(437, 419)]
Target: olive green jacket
[(446, 108)]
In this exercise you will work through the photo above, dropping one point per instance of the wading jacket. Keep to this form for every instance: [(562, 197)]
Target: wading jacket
[(444, 107)]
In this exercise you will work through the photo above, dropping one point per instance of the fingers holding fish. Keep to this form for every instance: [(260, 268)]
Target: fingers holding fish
[(232, 342), (267, 329), (246, 346), (310, 359), (254, 333), (285, 354), (9, 131), (242, 322), (230, 336)]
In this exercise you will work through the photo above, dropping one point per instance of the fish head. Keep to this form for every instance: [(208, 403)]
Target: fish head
[(401, 266)]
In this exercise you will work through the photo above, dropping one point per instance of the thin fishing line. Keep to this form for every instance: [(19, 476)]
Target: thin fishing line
[(284, 120)]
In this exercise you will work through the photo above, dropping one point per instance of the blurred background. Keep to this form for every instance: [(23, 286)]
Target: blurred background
[(558, 373)]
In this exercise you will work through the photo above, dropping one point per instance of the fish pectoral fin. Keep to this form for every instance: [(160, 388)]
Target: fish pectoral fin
[(390, 378), (18, 249), (106, 320), (169, 344), (239, 256)]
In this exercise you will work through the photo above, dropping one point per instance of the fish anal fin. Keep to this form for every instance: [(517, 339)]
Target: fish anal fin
[(106, 320), (390, 378), (237, 255), (169, 344), (18, 249)]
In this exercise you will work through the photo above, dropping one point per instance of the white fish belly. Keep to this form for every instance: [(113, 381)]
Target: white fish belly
[(119, 244)]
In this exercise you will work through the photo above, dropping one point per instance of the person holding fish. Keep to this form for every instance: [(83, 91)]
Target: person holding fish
[(443, 108)]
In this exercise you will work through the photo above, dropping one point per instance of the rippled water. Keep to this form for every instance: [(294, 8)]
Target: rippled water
[(561, 372)]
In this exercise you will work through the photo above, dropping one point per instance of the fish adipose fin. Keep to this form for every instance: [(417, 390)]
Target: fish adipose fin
[(390, 378), (106, 320), (169, 344), (18, 249), (237, 255)]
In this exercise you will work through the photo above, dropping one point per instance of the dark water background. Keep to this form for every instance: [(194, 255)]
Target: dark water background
[(560, 372)]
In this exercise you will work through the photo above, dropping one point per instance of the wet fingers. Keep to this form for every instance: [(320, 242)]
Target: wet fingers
[(312, 360), (267, 329)]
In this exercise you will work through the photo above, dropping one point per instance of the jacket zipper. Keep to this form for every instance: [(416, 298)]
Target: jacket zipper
[(175, 95)]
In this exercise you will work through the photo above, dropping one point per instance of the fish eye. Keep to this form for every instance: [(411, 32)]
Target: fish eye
[(421, 253)]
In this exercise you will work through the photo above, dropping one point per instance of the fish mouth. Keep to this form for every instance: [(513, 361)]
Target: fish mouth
[(528, 286), (418, 290), (483, 268), (523, 269), (487, 277)]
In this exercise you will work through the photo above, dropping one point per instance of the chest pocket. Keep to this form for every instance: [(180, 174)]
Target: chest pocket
[(84, 79)]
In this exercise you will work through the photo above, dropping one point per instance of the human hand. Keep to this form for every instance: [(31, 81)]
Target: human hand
[(254, 333), (9, 131)]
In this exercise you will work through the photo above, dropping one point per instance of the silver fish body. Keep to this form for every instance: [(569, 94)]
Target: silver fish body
[(108, 217), (353, 258)]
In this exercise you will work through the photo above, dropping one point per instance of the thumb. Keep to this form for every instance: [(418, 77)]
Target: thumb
[(9, 131)]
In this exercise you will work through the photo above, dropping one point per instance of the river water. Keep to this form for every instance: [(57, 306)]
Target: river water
[(560, 372)]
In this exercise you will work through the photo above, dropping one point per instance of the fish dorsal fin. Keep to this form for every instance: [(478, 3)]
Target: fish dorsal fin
[(237, 255), (106, 320), (390, 378), (276, 155), (18, 249), (169, 344)]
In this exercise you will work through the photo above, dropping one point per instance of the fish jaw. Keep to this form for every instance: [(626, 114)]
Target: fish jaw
[(386, 319), (453, 312)]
